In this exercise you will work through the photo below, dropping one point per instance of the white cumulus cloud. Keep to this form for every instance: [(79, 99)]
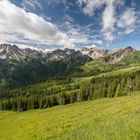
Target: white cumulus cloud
[(108, 22), (27, 25)]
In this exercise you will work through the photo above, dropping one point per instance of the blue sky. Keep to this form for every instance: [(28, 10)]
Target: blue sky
[(51, 24)]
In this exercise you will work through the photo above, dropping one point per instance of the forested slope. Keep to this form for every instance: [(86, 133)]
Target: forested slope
[(60, 92)]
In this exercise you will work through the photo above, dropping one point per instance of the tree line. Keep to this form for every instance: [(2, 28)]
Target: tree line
[(98, 87)]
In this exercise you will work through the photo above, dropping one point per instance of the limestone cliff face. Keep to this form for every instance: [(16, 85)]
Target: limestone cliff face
[(94, 53), (116, 56)]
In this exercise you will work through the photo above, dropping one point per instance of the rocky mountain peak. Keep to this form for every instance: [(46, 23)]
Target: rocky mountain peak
[(116, 56), (11, 52), (129, 49), (32, 53), (94, 52), (8, 47), (64, 55)]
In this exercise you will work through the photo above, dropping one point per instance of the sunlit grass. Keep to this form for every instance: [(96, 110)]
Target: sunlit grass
[(104, 119)]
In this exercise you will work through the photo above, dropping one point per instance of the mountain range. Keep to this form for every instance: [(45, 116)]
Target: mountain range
[(21, 67), (14, 53)]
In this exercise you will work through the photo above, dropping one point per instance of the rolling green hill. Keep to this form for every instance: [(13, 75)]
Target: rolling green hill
[(102, 119)]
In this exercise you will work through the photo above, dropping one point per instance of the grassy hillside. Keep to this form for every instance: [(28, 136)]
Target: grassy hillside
[(104, 119)]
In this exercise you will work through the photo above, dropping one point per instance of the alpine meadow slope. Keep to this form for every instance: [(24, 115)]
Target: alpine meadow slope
[(104, 119)]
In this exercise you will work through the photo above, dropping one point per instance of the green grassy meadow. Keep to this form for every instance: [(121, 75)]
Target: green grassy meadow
[(102, 119)]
